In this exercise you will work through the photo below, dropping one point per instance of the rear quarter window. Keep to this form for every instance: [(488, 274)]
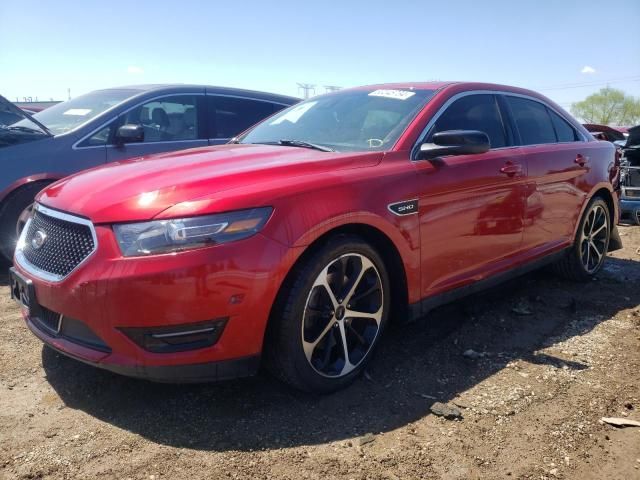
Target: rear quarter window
[(231, 116), (564, 131)]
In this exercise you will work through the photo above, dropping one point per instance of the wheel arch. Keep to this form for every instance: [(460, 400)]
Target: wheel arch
[(377, 239), (23, 182), (607, 196), (606, 192)]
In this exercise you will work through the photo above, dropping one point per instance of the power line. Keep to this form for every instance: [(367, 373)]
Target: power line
[(567, 86)]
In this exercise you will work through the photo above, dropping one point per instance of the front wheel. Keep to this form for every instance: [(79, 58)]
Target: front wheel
[(329, 316), (591, 244)]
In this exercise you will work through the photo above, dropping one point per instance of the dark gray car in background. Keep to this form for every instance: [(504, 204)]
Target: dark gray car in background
[(110, 125)]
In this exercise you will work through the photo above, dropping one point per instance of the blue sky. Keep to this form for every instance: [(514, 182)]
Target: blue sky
[(565, 49)]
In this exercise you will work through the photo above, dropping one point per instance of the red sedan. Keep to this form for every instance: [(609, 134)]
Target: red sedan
[(296, 244)]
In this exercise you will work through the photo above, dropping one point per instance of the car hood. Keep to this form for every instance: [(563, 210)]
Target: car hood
[(142, 188)]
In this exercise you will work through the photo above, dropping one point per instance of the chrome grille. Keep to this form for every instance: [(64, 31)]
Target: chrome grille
[(67, 242)]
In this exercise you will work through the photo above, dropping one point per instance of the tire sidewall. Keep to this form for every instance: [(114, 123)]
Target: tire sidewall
[(329, 253)]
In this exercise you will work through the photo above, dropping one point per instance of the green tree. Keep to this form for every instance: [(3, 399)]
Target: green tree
[(609, 106)]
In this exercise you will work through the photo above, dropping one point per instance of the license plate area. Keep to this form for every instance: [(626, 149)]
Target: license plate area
[(22, 290)]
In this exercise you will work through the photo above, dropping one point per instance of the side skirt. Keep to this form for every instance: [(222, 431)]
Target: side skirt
[(421, 308)]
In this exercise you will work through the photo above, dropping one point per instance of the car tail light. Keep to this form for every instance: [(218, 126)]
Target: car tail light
[(177, 338)]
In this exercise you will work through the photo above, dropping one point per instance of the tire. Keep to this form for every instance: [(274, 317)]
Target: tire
[(586, 257), (305, 344), (14, 206)]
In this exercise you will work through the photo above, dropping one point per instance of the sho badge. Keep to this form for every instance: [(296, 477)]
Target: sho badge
[(38, 239), (406, 207)]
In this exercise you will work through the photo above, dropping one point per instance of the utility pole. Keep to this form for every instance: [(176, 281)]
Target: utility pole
[(331, 88), (306, 88)]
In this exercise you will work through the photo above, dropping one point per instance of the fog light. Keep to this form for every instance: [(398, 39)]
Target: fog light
[(177, 338)]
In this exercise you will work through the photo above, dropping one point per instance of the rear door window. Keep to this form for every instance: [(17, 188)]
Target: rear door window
[(532, 120), (230, 116), (474, 112)]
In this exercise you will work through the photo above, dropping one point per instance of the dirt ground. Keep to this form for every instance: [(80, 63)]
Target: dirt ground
[(550, 359)]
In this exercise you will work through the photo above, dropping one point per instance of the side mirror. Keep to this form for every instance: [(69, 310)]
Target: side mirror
[(129, 133), (455, 142)]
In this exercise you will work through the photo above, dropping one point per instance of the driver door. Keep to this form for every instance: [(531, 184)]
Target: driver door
[(170, 123), (471, 206)]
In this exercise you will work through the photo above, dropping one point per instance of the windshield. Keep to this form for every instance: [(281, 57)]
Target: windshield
[(354, 120), (66, 116)]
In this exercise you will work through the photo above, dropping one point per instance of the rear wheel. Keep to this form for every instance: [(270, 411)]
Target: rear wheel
[(591, 243), (14, 214), (329, 317)]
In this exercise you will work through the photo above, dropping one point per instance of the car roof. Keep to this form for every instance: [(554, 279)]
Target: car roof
[(438, 85), (410, 85), (177, 87)]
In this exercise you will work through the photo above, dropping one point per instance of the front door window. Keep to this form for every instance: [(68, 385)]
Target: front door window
[(166, 119)]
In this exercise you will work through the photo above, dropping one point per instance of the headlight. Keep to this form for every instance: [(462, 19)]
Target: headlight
[(164, 236)]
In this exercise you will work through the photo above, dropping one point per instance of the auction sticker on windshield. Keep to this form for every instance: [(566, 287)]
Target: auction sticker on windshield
[(396, 94)]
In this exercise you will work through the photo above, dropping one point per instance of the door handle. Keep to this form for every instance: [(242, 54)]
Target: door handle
[(511, 169), (581, 160)]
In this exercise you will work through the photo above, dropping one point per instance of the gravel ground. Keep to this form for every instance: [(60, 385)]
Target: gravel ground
[(531, 367)]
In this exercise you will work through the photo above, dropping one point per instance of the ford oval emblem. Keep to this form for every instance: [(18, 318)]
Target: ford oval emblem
[(38, 239)]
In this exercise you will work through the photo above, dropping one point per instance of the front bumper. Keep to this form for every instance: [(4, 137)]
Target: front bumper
[(111, 295)]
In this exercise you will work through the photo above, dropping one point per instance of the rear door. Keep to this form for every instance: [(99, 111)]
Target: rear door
[(229, 116), (557, 164), (471, 206), (171, 122)]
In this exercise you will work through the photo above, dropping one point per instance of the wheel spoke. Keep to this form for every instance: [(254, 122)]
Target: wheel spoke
[(355, 298), (348, 366), (588, 223), (322, 281), (599, 229), (309, 347), (365, 265), (588, 256), (377, 316), (595, 249)]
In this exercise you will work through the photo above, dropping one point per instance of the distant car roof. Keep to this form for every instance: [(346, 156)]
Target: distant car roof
[(210, 89), (595, 127)]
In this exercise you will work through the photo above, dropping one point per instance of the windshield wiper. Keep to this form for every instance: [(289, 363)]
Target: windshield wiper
[(22, 128), (24, 114), (303, 144)]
